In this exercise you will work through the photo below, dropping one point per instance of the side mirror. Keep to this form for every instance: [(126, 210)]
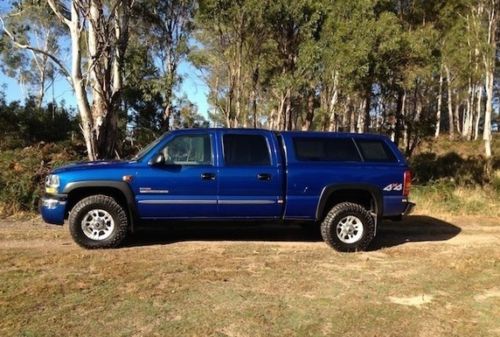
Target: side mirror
[(157, 160)]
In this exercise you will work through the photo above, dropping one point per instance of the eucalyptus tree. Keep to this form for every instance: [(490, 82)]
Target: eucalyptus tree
[(489, 13), (236, 57), (30, 22), (98, 35), (165, 27)]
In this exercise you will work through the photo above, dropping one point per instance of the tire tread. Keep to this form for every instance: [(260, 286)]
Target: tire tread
[(110, 204), (328, 228)]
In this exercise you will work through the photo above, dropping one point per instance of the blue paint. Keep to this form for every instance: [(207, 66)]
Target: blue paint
[(291, 189)]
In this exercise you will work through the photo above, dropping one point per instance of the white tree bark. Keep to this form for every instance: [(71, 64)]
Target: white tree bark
[(439, 103), (361, 123), (87, 17), (478, 112), (489, 59), (450, 103), (333, 102), (79, 84)]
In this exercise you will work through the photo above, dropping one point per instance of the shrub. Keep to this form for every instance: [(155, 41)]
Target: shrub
[(445, 197), (23, 171), (429, 167)]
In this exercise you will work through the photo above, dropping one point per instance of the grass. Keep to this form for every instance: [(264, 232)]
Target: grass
[(50, 287), (447, 198), (443, 145), (423, 277)]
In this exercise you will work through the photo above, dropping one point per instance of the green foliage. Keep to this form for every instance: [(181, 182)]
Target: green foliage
[(22, 125), (23, 170), (446, 197), (429, 168), (157, 46), (33, 23)]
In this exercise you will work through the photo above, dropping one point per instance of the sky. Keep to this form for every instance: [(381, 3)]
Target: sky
[(192, 86)]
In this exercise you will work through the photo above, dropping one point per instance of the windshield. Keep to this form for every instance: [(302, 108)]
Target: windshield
[(146, 149)]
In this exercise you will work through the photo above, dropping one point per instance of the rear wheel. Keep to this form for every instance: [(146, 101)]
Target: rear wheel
[(98, 221), (348, 227)]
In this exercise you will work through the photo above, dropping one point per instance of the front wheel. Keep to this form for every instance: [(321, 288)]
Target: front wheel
[(98, 221), (348, 227)]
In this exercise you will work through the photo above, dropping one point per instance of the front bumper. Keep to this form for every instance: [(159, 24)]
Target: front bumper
[(53, 209)]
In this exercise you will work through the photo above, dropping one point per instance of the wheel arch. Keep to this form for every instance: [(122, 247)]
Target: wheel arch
[(119, 190), (334, 194)]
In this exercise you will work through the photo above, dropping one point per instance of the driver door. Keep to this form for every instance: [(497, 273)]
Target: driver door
[(185, 185)]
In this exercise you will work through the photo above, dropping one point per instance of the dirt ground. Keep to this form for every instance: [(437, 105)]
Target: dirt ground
[(421, 277)]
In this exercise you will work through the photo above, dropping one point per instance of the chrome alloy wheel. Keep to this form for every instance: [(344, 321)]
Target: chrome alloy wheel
[(98, 224), (349, 229)]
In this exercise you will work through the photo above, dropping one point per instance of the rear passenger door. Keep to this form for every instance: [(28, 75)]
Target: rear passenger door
[(250, 175)]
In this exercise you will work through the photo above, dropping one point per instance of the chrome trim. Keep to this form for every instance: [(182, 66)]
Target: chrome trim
[(207, 202), (149, 190), (247, 202), (178, 202), (52, 203)]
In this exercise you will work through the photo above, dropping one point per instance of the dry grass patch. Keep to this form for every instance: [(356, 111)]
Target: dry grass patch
[(177, 286), (444, 198)]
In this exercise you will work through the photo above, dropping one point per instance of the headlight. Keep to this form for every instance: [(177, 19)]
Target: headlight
[(51, 184)]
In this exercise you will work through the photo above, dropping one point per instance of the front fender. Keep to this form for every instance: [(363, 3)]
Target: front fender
[(121, 186)]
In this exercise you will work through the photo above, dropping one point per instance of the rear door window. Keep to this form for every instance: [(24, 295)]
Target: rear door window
[(246, 150), (325, 149), (375, 150)]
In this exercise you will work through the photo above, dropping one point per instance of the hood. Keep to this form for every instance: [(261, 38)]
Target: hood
[(93, 165)]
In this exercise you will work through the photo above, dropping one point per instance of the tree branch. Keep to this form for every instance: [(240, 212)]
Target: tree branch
[(56, 11), (36, 50)]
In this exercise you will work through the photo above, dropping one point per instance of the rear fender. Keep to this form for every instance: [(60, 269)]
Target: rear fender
[(328, 191)]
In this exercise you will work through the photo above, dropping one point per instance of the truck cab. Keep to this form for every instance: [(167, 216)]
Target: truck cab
[(235, 175)]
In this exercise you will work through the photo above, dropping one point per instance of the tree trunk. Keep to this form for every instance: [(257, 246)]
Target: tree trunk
[(253, 95), (238, 76), (352, 118), (105, 122), (229, 106), (468, 112), (367, 107), (169, 89), (333, 102), (439, 102), (121, 23), (487, 113), (450, 104), (457, 114), (478, 113), (107, 38), (287, 121), (489, 60), (280, 112), (361, 116), (310, 111), (79, 85)]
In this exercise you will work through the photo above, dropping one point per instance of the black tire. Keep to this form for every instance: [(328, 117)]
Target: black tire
[(341, 212), (79, 212)]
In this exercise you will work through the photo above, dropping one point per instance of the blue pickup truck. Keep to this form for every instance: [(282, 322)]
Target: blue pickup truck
[(345, 183)]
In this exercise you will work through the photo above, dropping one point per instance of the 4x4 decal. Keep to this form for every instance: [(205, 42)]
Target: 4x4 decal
[(393, 187)]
